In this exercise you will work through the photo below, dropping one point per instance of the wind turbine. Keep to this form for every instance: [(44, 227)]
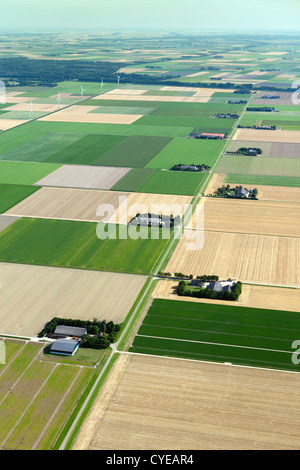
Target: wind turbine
[(30, 110), (59, 100), (82, 90)]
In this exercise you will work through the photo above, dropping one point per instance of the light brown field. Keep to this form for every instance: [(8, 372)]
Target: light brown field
[(292, 137), (33, 295), (273, 193), (47, 108), (126, 91), (6, 124), (253, 217), (82, 204), (196, 74), (92, 118), (165, 404), (261, 259), (275, 298), (18, 99), (177, 99), (84, 177)]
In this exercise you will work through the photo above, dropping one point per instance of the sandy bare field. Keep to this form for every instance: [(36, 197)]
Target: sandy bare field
[(269, 260), (274, 298), (84, 176), (47, 108), (292, 137), (6, 124), (18, 99), (255, 217), (82, 204), (126, 91), (164, 404), (69, 115), (33, 295), (6, 221), (177, 99)]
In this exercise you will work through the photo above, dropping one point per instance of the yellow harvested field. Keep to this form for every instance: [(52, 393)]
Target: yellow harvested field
[(92, 118), (171, 404), (256, 217), (176, 99), (261, 259), (32, 295), (292, 137), (279, 193), (82, 204), (275, 298), (153, 203), (6, 124)]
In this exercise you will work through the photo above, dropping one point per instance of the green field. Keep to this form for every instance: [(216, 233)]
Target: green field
[(39, 148), (187, 151), (85, 150), (205, 124), (288, 181), (267, 166), (133, 152), (24, 173), (184, 183), (71, 244), (12, 194), (221, 333), (133, 180)]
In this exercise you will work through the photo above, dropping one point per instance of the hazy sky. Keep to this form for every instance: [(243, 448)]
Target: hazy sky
[(195, 15)]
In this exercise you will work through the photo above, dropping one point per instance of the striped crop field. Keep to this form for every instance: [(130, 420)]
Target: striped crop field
[(221, 333)]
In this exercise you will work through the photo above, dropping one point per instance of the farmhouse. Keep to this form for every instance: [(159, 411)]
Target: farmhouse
[(206, 135), (243, 192), (64, 347), (217, 286)]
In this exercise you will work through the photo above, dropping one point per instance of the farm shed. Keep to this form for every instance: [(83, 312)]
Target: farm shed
[(64, 347), (74, 331)]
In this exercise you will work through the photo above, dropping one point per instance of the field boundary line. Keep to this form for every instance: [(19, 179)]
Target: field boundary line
[(27, 407), (57, 408), (199, 361), (20, 377), (216, 344), (12, 360)]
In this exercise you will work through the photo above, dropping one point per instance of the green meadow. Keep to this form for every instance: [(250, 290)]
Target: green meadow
[(71, 244)]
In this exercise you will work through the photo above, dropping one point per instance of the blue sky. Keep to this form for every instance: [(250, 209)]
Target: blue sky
[(195, 15)]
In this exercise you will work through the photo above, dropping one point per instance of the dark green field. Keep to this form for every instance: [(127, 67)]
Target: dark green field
[(76, 245), (212, 332), (86, 150), (12, 194), (133, 152)]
